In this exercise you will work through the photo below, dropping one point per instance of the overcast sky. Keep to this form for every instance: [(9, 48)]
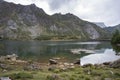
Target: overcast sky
[(106, 11)]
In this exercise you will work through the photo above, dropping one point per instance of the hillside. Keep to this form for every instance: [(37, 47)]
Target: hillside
[(112, 29), (19, 22)]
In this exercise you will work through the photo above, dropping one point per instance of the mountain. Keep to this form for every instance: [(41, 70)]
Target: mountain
[(101, 24), (20, 22), (112, 29), (117, 27)]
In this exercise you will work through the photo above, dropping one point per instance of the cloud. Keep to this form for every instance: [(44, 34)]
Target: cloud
[(106, 11), (24, 2), (57, 4), (39, 3)]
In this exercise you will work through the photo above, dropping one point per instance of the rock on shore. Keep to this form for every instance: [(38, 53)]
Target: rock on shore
[(115, 64)]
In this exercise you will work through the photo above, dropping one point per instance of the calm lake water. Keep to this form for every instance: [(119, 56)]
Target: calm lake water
[(42, 51)]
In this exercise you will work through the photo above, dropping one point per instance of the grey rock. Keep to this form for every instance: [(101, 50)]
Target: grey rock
[(52, 68), (33, 66), (3, 66), (77, 62), (52, 61), (106, 63), (115, 64)]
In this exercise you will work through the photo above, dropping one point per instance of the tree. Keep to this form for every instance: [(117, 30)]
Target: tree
[(116, 37)]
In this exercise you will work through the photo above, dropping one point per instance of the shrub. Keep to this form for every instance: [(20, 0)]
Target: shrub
[(53, 77), (20, 75), (117, 74), (116, 37)]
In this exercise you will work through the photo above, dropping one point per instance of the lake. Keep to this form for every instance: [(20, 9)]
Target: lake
[(41, 51)]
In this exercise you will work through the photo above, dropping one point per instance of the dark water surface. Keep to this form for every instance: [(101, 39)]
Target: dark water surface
[(42, 51)]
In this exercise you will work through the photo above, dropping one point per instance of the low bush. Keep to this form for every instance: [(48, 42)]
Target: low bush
[(20, 75)]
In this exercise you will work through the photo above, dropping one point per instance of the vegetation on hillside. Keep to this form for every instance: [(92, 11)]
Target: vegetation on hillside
[(116, 49), (116, 37)]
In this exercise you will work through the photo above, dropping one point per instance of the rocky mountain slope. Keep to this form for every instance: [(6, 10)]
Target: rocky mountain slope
[(112, 29), (30, 22), (101, 24)]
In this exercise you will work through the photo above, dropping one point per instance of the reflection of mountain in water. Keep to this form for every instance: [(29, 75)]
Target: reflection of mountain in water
[(47, 49), (107, 56)]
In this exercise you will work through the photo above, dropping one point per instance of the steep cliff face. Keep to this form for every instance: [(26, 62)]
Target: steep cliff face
[(30, 22)]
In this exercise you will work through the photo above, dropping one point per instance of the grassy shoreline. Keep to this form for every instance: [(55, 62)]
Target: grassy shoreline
[(24, 70)]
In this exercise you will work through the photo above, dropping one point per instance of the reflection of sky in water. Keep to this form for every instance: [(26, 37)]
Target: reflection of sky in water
[(44, 50), (73, 43), (108, 55), (88, 43)]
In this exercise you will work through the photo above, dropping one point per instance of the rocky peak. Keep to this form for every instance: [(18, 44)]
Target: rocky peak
[(33, 5), (67, 16), (112, 29), (34, 8), (100, 24), (20, 8), (72, 16)]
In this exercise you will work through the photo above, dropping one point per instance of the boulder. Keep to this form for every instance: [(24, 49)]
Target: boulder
[(115, 64), (106, 63), (66, 64), (56, 58), (77, 62), (33, 66), (52, 61), (3, 66), (52, 68), (61, 66), (71, 67), (11, 57)]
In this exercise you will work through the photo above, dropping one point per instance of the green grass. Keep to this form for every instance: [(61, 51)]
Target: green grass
[(78, 73)]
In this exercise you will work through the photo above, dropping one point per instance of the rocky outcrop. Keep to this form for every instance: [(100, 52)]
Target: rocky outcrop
[(30, 22), (101, 24), (112, 29), (78, 62), (12, 57), (52, 61), (115, 64)]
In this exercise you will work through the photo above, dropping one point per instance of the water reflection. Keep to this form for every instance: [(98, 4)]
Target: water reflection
[(107, 56), (43, 51)]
